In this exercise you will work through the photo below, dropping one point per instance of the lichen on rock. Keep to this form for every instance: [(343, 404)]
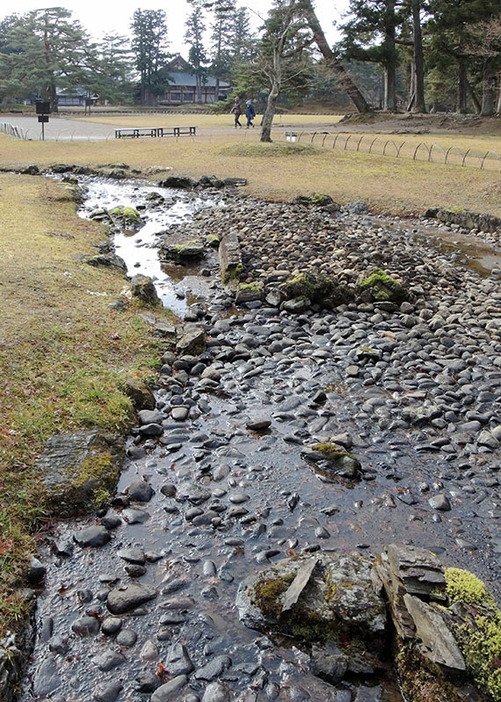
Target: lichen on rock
[(380, 287), (316, 288)]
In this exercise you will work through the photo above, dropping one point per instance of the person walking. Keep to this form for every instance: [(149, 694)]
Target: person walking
[(250, 113), (236, 111)]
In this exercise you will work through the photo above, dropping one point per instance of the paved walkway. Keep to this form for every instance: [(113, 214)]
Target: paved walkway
[(59, 128)]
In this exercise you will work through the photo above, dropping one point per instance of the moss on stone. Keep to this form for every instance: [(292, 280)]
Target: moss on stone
[(422, 683), (267, 594), (479, 637), (233, 272), (332, 452), (213, 240), (251, 287), (382, 287), (128, 215), (96, 476), (307, 285), (465, 587)]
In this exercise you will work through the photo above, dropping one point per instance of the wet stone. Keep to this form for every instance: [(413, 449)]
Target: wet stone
[(134, 554), (135, 516), (36, 571), (152, 429), (440, 503), (216, 692), (258, 424), (127, 598), (178, 661), (213, 669), (150, 416), (238, 498), (111, 625), (170, 692), (126, 637), (107, 692), (140, 491), (47, 678), (111, 521), (168, 489), (109, 660), (92, 536), (86, 626)]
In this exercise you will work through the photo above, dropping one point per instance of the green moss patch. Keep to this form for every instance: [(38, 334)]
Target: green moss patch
[(381, 287), (128, 216), (316, 288), (479, 636)]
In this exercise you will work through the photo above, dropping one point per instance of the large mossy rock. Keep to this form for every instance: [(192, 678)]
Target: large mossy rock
[(106, 260), (143, 288), (447, 628), (320, 598), (127, 217), (378, 286), (140, 394), (183, 254), (230, 258), (316, 289), (76, 471), (317, 200), (330, 460)]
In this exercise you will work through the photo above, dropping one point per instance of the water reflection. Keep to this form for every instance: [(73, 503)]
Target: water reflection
[(177, 286)]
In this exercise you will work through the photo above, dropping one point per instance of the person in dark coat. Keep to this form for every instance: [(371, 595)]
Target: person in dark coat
[(236, 111), (250, 113)]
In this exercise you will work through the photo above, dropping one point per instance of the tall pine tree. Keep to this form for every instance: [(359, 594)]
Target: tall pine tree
[(149, 46), (194, 36)]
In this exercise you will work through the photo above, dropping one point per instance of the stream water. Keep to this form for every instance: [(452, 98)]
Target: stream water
[(269, 502)]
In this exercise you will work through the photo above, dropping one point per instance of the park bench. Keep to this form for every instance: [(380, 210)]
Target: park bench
[(137, 132)]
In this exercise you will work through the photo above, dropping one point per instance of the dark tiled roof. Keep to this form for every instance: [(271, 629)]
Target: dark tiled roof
[(183, 79)]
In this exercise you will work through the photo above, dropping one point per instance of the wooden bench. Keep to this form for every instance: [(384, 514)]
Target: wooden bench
[(137, 132)]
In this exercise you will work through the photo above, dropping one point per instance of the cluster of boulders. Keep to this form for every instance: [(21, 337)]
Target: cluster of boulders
[(356, 613)]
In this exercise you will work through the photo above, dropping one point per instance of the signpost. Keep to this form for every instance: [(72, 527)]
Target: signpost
[(43, 112)]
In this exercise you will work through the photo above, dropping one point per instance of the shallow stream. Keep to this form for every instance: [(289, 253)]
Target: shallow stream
[(271, 503)]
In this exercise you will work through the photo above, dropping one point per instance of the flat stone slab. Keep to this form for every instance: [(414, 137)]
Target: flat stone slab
[(125, 599), (74, 466)]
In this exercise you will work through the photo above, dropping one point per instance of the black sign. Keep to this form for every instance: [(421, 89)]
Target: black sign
[(42, 108), (43, 118)]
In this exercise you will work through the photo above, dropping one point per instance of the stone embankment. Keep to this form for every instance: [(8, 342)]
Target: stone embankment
[(353, 400)]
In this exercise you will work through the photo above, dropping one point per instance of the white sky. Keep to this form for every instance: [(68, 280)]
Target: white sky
[(100, 17)]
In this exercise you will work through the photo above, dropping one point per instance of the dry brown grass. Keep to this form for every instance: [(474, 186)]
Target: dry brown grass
[(390, 185)]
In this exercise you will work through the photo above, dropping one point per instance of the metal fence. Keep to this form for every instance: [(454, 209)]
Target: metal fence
[(383, 146), (12, 130)]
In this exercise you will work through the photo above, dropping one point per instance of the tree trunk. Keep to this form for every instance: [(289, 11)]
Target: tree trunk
[(419, 104), (198, 87), (338, 69), (462, 106), (498, 106), (390, 87), (52, 95), (474, 98), (488, 88), (269, 112)]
